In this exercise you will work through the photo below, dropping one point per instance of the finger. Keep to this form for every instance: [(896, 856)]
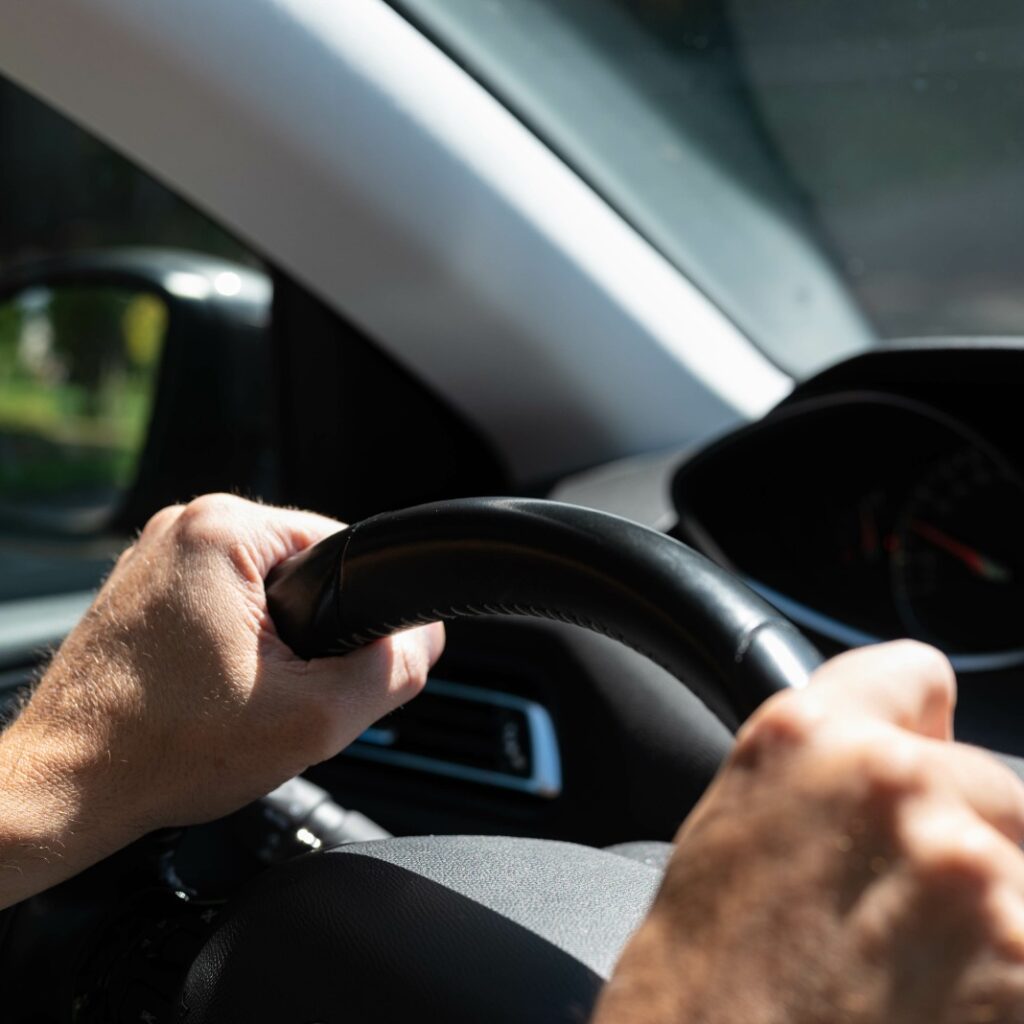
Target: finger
[(988, 787), (947, 903), (283, 532), (945, 845), (365, 685), (300, 528), (904, 682), (392, 670)]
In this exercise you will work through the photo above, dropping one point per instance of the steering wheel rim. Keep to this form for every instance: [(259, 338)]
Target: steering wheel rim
[(535, 558)]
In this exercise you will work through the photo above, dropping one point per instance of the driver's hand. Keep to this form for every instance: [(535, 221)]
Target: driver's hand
[(174, 701), (850, 864)]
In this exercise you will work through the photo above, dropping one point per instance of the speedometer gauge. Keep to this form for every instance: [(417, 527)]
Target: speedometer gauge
[(958, 558)]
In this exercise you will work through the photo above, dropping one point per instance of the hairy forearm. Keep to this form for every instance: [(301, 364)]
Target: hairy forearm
[(54, 815)]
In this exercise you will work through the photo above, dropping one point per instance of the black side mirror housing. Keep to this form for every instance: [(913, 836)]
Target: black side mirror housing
[(213, 422)]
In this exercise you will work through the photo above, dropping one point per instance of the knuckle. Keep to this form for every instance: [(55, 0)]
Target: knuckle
[(207, 505), (943, 850), (875, 773), (208, 518), (933, 673), (161, 520), (415, 666), (216, 522), (893, 771), (785, 722)]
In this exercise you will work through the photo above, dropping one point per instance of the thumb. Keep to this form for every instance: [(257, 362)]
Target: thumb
[(359, 688)]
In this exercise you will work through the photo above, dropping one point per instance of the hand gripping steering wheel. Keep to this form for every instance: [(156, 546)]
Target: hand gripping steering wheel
[(468, 929)]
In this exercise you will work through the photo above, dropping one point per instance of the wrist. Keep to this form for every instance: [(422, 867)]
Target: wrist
[(58, 811)]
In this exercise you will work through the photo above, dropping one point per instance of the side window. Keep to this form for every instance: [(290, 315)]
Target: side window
[(86, 240)]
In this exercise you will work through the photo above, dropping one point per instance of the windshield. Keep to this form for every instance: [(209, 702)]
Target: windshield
[(830, 173)]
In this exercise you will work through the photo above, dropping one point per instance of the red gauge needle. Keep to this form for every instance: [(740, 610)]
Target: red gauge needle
[(981, 566)]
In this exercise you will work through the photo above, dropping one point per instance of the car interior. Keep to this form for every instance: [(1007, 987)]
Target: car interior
[(835, 184)]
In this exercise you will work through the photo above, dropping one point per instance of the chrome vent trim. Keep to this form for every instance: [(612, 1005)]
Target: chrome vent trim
[(545, 778)]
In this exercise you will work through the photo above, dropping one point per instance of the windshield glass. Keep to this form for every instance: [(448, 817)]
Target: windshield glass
[(829, 173)]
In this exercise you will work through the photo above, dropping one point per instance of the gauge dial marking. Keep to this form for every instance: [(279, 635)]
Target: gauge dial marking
[(979, 564)]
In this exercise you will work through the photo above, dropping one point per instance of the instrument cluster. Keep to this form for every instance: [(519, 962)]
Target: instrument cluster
[(865, 516)]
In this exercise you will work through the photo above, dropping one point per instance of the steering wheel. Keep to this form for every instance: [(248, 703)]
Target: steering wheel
[(459, 928), (466, 929)]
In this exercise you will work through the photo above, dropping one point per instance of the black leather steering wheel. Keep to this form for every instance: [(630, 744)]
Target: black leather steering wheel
[(465, 929), (519, 556)]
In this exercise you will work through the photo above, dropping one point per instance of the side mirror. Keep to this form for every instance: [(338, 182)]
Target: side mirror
[(130, 379)]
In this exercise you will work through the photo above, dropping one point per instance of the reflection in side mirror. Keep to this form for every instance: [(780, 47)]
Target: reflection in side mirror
[(78, 374)]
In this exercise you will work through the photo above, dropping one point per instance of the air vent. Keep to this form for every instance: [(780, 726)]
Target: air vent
[(469, 733)]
